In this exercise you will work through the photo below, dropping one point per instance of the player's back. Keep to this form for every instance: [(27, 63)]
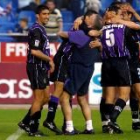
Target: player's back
[(113, 41)]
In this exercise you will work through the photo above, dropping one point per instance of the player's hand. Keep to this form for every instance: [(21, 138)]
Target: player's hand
[(131, 9), (52, 66), (95, 33), (95, 43), (77, 23)]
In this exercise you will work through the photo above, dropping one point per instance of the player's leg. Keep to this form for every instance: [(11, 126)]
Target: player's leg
[(39, 84), (73, 83), (24, 123), (52, 107), (119, 106), (102, 106), (54, 100), (123, 81), (67, 111), (134, 102), (64, 120), (110, 93), (36, 111), (86, 113), (58, 77), (81, 96)]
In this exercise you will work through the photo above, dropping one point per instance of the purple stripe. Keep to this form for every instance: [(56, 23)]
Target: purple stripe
[(54, 99)]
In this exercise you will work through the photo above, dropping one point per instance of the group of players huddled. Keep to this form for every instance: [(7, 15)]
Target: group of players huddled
[(113, 39)]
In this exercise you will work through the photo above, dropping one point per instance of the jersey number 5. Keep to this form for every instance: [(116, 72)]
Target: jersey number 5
[(110, 39)]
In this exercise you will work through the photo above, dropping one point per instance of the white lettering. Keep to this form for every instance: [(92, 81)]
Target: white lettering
[(26, 88), (23, 86), (18, 49), (10, 93), (10, 48), (113, 26)]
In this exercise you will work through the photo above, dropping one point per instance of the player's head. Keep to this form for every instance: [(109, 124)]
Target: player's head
[(42, 13), (115, 11), (112, 12), (98, 23), (127, 15), (90, 18)]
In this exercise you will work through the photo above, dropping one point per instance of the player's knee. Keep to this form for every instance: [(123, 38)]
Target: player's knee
[(58, 92), (64, 98), (81, 100), (39, 99)]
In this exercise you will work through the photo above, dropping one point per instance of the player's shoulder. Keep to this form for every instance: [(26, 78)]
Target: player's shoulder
[(113, 26), (36, 28)]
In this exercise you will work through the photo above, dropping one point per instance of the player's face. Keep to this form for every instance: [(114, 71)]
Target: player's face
[(90, 20), (119, 14), (43, 17)]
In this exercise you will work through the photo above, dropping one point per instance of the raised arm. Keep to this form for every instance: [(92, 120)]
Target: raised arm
[(129, 24)]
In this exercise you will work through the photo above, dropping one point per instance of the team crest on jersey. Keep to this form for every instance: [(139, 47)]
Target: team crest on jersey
[(37, 43)]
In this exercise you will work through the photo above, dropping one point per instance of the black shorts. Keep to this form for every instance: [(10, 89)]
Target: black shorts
[(38, 76), (79, 79), (61, 69), (135, 70), (115, 72)]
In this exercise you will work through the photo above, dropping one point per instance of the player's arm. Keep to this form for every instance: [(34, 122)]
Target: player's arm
[(96, 44), (40, 55), (63, 34), (133, 11), (77, 37), (95, 33), (129, 24), (77, 23), (44, 57)]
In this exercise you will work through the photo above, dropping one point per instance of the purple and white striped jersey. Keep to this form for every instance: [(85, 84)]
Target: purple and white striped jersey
[(37, 40), (113, 41)]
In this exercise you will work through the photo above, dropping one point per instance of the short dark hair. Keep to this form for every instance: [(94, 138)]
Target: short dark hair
[(114, 9), (89, 13), (50, 1), (40, 8), (116, 3)]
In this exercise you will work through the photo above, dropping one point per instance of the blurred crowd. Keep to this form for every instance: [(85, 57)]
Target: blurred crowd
[(18, 15)]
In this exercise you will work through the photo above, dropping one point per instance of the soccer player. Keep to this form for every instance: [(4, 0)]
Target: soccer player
[(115, 56), (81, 69), (134, 64), (128, 12), (59, 76), (38, 65), (133, 102)]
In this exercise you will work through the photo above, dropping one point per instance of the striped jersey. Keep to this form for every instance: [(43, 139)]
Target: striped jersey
[(114, 41), (37, 40)]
